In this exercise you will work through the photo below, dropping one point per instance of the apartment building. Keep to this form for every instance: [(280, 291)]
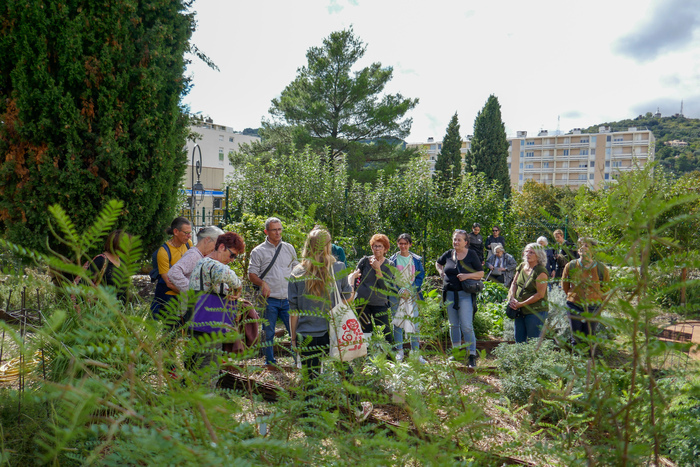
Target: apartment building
[(430, 150), (216, 143), (576, 158)]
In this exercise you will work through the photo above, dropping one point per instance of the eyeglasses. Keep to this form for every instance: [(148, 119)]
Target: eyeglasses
[(495, 230), (233, 255), (189, 234), (377, 247)]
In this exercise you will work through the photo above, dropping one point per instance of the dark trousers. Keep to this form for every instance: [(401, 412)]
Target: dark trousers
[(379, 314), (311, 353), (580, 324)]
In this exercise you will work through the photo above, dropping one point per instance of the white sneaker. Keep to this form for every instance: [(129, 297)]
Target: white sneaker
[(399, 355), (421, 360)]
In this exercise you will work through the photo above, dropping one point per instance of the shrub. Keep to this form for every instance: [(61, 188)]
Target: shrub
[(525, 366)]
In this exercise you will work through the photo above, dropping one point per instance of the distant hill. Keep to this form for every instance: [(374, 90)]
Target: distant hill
[(676, 159), (251, 131)]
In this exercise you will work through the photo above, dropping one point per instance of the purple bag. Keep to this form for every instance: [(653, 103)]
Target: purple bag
[(212, 308)]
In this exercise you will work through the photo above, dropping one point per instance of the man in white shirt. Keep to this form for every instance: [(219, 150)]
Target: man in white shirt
[(271, 263)]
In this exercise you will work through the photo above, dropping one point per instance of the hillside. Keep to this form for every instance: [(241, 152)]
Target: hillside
[(676, 159)]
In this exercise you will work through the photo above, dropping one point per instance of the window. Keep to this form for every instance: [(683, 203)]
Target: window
[(582, 166), (221, 154), (522, 154), (617, 164), (508, 165), (545, 165), (584, 140), (607, 153), (521, 177), (590, 176), (529, 166), (221, 137), (567, 140), (522, 142), (218, 202), (530, 154), (594, 139), (566, 152), (592, 152), (607, 163), (530, 143), (564, 177), (583, 152), (433, 147), (230, 139), (608, 138), (565, 165), (521, 165), (439, 146), (582, 176), (592, 164)]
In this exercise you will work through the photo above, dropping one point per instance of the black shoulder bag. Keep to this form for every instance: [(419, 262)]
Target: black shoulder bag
[(269, 266), (470, 285)]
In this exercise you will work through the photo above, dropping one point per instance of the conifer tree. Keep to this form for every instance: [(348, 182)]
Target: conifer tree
[(448, 167), (489, 146), (90, 110)]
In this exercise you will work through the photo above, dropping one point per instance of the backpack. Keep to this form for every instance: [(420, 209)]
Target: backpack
[(155, 273), (599, 266)]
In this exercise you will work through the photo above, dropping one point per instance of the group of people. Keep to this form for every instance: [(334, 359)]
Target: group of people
[(384, 288)]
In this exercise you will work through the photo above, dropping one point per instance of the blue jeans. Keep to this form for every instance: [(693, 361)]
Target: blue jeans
[(529, 326), (461, 321), (274, 309)]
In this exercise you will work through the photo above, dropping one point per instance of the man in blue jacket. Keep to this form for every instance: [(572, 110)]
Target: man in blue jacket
[(409, 280)]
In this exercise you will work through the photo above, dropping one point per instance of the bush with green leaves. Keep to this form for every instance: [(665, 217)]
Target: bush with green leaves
[(524, 367)]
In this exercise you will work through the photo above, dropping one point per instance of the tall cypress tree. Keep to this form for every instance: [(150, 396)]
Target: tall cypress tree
[(489, 146), (90, 110), (448, 167)]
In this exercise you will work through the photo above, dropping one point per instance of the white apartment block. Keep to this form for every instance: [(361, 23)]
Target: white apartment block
[(576, 158), (216, 143), (430, 150)]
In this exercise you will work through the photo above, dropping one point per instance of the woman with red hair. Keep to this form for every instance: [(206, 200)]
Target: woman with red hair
[(376, 281)]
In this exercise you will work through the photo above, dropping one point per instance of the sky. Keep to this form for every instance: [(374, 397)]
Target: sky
[(552, 64)]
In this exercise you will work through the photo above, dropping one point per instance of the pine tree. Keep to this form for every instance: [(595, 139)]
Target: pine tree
[(448, 167), (489, 146), (90, 110)]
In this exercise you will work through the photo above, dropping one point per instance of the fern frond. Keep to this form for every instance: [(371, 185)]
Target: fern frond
[(72, 238), (130, 251), (104, 223)]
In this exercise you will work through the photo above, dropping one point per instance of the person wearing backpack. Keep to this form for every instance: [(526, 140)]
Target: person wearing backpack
[(165, 257), (585, 282)]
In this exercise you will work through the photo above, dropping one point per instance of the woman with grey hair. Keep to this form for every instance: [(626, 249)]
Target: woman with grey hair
[(528, 293), (502, 266), (179, 274)]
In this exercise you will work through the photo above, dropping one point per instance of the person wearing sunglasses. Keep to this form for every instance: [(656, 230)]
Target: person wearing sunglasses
[(495, 237), (212, 276)]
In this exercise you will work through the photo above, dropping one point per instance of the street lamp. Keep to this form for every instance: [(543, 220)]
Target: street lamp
[(196, 186)]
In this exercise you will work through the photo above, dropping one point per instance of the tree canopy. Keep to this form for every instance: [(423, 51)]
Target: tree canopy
[(338, 107), (90, 110), (448, 167), (489, 146)]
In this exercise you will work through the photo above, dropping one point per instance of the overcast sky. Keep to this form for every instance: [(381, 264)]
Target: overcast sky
[(584, 62)]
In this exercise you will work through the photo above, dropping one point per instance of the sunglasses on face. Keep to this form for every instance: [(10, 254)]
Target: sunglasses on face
[(233, 255)]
